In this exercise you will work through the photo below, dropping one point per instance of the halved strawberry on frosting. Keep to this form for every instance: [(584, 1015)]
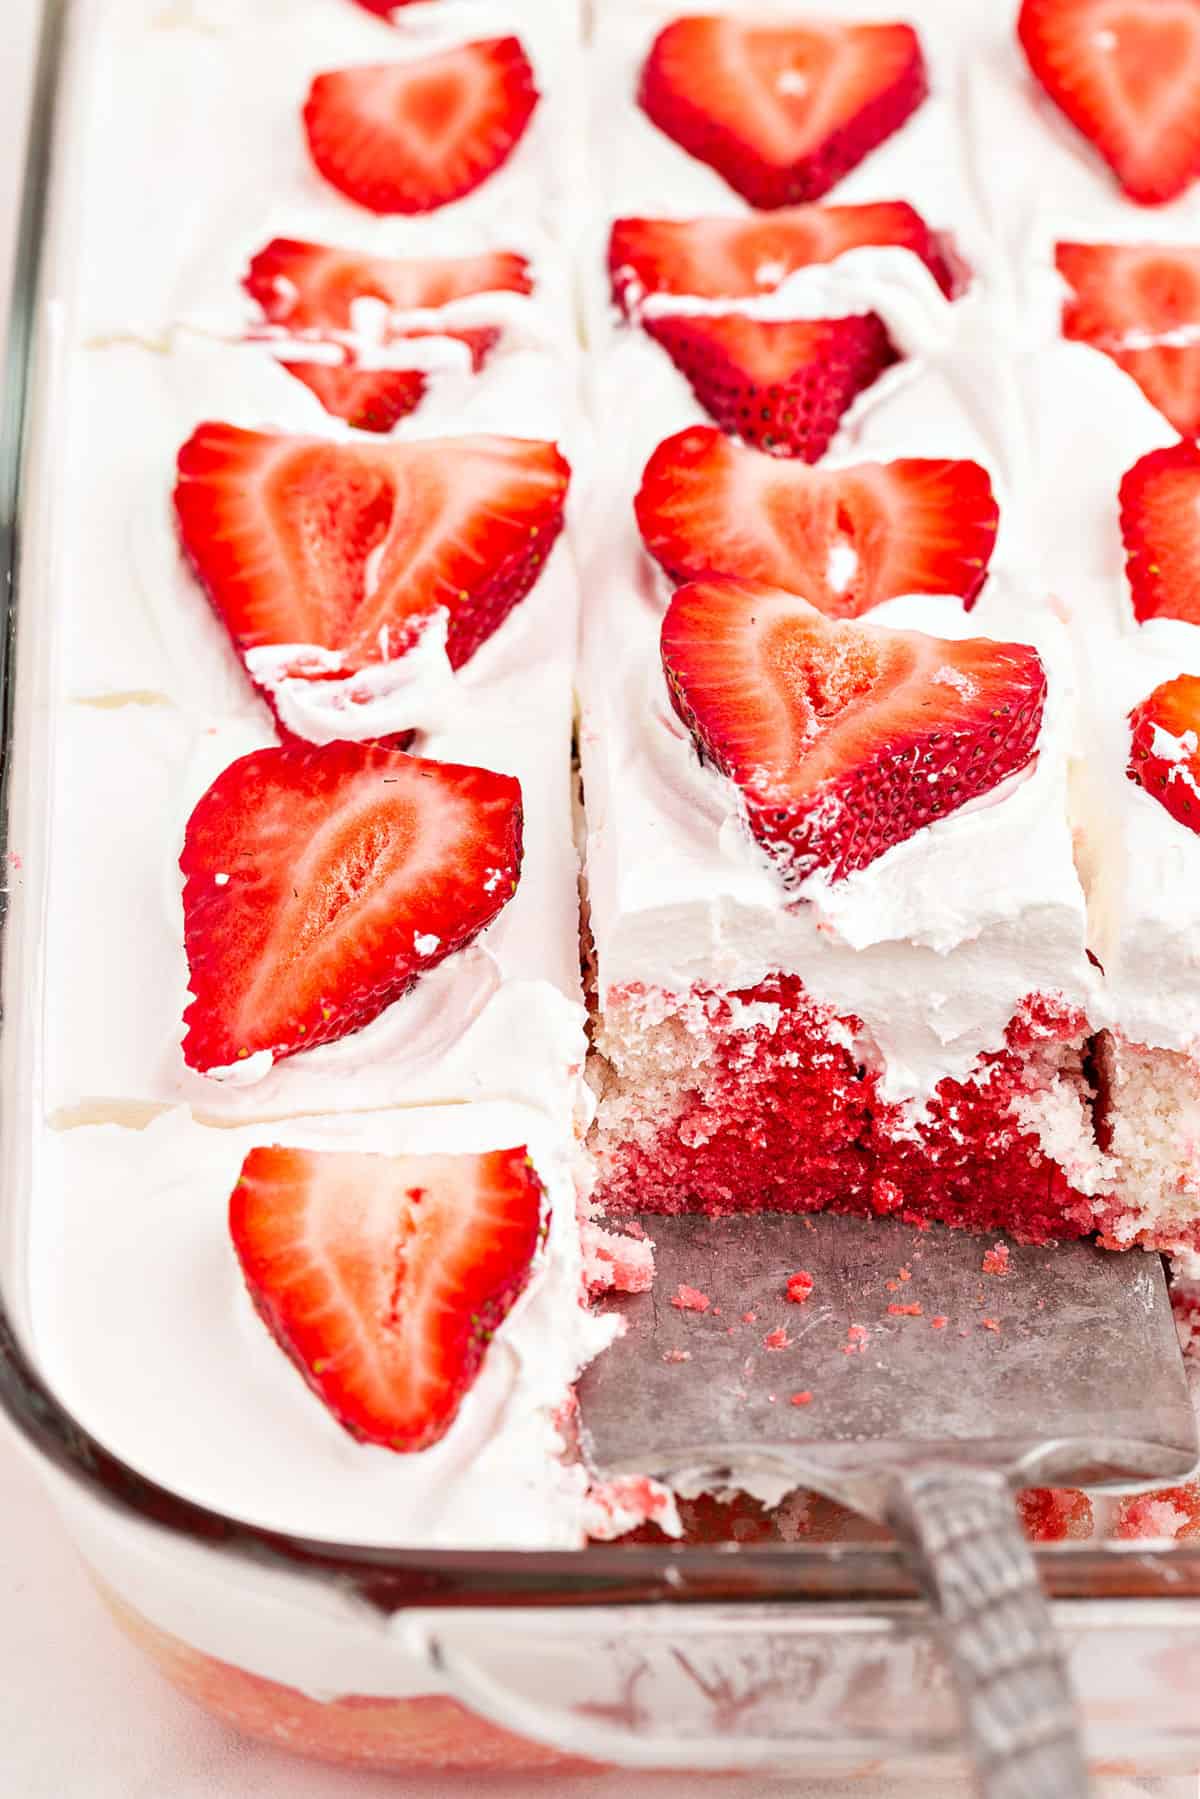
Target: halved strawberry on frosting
[(1160, 523), (1164, 749), (409, 137), (384, 1278), (844, 739), (352, 306), (320, 883), (302, 286), (846, 539), (1126, 73), (782, 111), (781, 386), (1140, 305), (354, 578), (744, 258)]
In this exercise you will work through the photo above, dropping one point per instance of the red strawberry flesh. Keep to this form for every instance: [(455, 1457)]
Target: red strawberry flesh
[(1140, 305), (1164, 755), (313, 287), (408, 137), (321, 882), (354, 547), (844, 738), (383, 8), (369, 399), (376, 399), (845, 539), (781, 111), (383, 1278), (732, 258), (1126, 73), (783, 387), (1160, 523)]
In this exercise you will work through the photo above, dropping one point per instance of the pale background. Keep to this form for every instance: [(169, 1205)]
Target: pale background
[(81, 1716)]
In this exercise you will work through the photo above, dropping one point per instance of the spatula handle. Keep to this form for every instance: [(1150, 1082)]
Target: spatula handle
[(962, 1529)]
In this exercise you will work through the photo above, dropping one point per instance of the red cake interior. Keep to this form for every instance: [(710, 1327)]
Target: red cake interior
[(699, 1112)]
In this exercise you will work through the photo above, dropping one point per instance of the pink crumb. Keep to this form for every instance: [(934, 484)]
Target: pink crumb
[(690, 1299), (939, 1322), (886, 1197), (995, 1260), (990, 1324), (749, 1317), (914, 1311), (856, 1340), (615, 1261), (804, 1398), (1172, 1513), (799, 1286), (620, 1505), (906, 1274), (678, 1355), (777, 1339)]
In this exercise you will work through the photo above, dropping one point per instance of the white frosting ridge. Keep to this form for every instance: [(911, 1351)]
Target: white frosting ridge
[(411, 691)]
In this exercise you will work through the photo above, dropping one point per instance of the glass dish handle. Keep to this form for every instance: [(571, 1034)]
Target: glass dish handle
[(739, 1687), (706, 1689), (964, 1537)]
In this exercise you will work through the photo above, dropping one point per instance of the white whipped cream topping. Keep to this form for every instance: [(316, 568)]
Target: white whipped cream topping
[(217, 89), (412, 691)]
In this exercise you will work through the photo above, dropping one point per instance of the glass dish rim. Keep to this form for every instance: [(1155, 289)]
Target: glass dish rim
[(869, 1578)]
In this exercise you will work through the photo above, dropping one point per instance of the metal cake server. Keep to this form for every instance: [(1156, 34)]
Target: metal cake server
[(1063, 1371)]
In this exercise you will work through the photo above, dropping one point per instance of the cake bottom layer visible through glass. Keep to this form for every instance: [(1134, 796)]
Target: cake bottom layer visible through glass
[(730, 1102)]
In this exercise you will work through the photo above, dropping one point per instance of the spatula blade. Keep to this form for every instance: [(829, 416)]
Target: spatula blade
[(1063, 1369)]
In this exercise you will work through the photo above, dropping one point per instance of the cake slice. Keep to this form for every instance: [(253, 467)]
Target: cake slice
[(138, 620), (136, 1223), (858, 988)]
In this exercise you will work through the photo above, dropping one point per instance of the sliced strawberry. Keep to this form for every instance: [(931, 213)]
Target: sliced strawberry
[(844, 738), (782, 112), (782, 387), (1164, 752), (1140, 304), (384, 8), (1160, 523), (312, 287), (724, 258), (413, 136), (375, 399), (1127, 75), (846, 539), (385, 1277), (369, 399), (320, 882), (354, 547)]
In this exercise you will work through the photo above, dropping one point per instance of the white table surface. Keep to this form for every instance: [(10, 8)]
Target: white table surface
[(81, 1715)]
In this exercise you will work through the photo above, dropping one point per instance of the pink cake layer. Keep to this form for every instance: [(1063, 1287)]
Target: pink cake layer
[(757, 1100)]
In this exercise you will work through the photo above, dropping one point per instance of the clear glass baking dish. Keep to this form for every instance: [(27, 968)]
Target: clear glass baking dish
[(773, 1657)]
